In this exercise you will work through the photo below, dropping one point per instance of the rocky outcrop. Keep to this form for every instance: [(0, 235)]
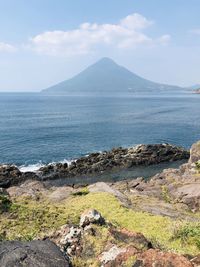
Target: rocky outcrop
[(195, 153), (118, 158), (116, 256), (69, 238), (171, 192), (29, 189), (154, 257), (120, 246), (31, 254), (10, 175), (96, 163)]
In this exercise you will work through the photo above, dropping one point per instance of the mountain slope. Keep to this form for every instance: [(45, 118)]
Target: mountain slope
[(106, 76)]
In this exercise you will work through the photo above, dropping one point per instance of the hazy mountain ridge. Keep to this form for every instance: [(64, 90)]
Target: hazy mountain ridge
[(107, 76)]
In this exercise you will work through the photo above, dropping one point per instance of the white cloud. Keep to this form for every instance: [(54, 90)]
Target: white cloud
[(128, 33), (4, 47)]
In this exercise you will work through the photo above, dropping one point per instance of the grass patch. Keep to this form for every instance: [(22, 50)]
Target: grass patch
[(29, 219), (188, 234)]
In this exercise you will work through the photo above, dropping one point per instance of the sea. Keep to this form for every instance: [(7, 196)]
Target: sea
[(37, 129)]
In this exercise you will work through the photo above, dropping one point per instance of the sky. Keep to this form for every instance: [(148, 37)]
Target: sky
[(43, 42)]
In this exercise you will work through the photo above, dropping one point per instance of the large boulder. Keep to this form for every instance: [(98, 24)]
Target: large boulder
[(31, 254), (195, 153)]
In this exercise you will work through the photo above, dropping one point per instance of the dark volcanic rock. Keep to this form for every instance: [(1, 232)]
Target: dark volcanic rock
[(31, 254), (117, 158), (96, 163), (10, 175)]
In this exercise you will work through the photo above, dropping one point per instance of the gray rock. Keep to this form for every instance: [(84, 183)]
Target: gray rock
[(111, 254), (195, 153), (31, 254), (91, 217), (189, 194)]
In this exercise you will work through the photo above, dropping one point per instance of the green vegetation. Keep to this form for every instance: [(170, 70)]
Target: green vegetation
[(188, 234), (5, 203), (165, 194), (28, 219)]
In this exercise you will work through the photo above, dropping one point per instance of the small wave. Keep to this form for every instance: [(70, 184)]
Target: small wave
[(31, 167), (37, 166)]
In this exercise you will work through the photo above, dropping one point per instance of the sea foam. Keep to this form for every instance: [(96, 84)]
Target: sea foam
[(37, 166)]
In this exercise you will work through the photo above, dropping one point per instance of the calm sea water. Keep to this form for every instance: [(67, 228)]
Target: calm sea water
[(40, 129)]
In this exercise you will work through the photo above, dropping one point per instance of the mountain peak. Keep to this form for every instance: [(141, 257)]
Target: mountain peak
[(106, 76), (106, 60)]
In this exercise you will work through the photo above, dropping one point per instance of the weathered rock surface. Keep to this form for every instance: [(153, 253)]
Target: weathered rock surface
[(154, 257), (68, 238), (137, 240), (195, 153), (116, 256), (31, 254), (96, 163), (118, 158), (28, 189), (10, 175), (171, 193), (91, 217)]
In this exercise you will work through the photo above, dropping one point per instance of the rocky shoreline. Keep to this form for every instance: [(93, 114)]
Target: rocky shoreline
[(104, 224), (97, 163)]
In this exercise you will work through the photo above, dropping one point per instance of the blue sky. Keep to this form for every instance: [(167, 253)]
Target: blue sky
[(43, 42)]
